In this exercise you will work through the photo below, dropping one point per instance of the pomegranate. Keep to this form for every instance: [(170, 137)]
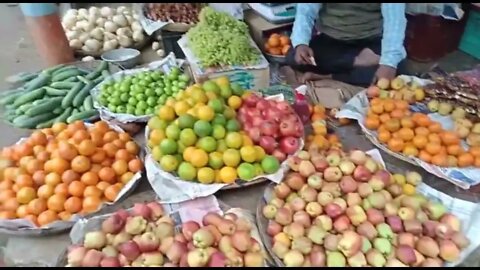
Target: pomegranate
[(254, 133), (287, 128), (268, 144), (252, 100), (263, 105), (269, 128), (289, 145)]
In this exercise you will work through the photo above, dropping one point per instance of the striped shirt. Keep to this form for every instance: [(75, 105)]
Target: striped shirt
[(394, 25)]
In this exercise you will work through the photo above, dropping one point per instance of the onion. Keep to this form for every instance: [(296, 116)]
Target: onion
[(109, 36), (100, 22), (136, 26), (155, 45), (83, 37), (106, 11), (72, 34), (88, 58), (121, 9), (110, 27), (89, 26), (69, 21), (138, 36), (75, 43), (71, 12), (97, 33), (110, 45), (161, 53), (124, 31), (83, 13), (93, 44), (94, 11), (120, 20), (124, 41)]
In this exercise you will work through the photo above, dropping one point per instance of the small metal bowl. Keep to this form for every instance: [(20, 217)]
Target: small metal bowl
[(124, 57)]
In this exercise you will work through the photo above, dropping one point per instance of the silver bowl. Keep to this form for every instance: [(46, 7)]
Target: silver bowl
[(124, 57)]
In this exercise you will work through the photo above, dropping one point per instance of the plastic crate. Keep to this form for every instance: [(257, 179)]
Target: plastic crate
[(470, 42), (169, 40)]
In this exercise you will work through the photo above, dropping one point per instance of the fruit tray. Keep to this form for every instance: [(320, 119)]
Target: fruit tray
[(22, 227)]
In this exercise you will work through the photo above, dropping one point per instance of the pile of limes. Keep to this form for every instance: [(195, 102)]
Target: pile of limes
[(198, 136), (140, 94)]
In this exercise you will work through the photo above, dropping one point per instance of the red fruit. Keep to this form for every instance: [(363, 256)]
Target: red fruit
[(113, 224), (252, 100), (287, 128), (268, 144), (269, 128), (140, 209), (257, 121), (289, 145), (273, 114), (130, 250), (262, 105), (254, 134), (189, 228), (279, 155), (283, 106)]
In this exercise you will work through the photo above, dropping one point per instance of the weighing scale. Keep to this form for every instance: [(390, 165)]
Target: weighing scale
[(276, 13)]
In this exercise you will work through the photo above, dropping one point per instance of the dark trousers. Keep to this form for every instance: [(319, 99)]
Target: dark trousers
[(336, 57)]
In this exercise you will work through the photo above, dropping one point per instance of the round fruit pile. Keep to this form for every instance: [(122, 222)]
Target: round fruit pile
[(416, 135), (140, 94), (144, 236), (198, 137), (278, 44), (397, 89), (65, 170), (343, 209)]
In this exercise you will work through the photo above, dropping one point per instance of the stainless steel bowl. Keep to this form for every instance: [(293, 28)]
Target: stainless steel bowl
[(124, 57)]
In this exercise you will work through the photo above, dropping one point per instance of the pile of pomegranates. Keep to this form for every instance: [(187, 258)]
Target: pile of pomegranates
[(273, 125), (145, 236), (341, 209)]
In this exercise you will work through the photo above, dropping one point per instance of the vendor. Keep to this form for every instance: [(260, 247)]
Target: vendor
[(359, 42)]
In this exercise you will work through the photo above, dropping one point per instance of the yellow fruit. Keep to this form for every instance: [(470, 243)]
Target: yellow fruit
[(248, 154), (259, 153), (217, 177), (231, 158), (156, 136), (222, 81), (199, 96), (170, 102), (166, 113), (247, 141), (157, 153), (181, 107), (199, 158), (234, 102), (228, 175), (206, 175), (211, 95), (205, 113), (234, 140), (187, 153), (246, 94), (409, 189), (399, 179)]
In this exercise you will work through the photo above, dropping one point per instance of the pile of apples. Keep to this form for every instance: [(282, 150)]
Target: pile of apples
[(273, 125), (336, 209), (145, 236)]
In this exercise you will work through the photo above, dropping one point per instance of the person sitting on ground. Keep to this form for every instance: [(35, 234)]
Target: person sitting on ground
[(358, 43)]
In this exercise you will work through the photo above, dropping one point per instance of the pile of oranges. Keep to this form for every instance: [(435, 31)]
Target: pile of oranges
[(278, 44), (65, 170), (320, 137), (415, 134)]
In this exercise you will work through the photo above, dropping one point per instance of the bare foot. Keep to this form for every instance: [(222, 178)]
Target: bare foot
[(310, 76), (366, 58)]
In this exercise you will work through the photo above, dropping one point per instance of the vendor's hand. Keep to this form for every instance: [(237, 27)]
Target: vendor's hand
[(303, 55), (384, 72)]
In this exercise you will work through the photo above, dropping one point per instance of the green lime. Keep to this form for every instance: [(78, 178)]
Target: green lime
[(186, 121), (270, 164), (219, 120), (202, 128), (181, 147), (169, 163), (215, 160), (246, 171), (211, 86), (234, 140), (216, 105), (233, 125), (225, 91), (188, 137), (172, 132), (258, 169), (186, 171), (229, 113), (231, 158), (168, 146), (218, 132), (221, 146), (157, 123), (208, 144)]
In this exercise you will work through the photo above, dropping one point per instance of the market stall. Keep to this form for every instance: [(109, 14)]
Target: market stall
[(238, 171)]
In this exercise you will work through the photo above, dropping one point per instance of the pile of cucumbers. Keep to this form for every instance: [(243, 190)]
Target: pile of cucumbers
[(57, 94)]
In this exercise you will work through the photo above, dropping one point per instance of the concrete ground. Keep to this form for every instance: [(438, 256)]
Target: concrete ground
[(18, 54)]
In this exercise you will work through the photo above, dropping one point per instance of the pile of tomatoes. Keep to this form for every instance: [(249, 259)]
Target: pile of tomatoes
[(65, 170)]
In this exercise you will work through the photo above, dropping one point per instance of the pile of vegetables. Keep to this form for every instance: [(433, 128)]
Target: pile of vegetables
[(140, 94), (176, 12), (219, 39), (102, 29), (57, 94)]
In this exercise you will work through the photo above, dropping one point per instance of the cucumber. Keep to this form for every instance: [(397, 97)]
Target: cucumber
[(63, 85), (29, 97), (58, 110), (62, 118), (72, 79), (32, 122), (98, 80), (11, 97), (63, 69), (82, 79), (80, 97), (80, 116), (55, 92), (23, 108), (105, 74), (10, 117), (98, 71), (45, 107), (46, 124), (68, 99), (88, 103), (28, 77), (50, 70), (38, 82), (67, 74)]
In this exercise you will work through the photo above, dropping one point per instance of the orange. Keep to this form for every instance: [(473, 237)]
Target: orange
[(69, 176), (107, 162), (388, 106), (38, 149), (58, 127), (439, 160), (449, 138), (398, 114), (97, 138), (24, 180), (135, 165), (393, 125), (47, 217), (73, 205), (99, 155), (406, 134), (372, 123), (119, 144), (61, 188), (123, 154), (410, 150), (454, 149), (56, 202), (37, 206), (396, 144), (420, 141), (384, 117), (86, 148), (89, 178), (452, 161), (384, 136), (80, 135), (376, 101), (110, 149), (76, 188), (475, 151), (53, 179), (23, 150), (92, 191), (43, 156), (101, 126), (284, 40), (401, 105), (80, 164), (433, 137), (317, 116), (6, 194), (273, 41), (124, 136), (407, 122), (465, 160), (31, 218), (96, 168), (476, 163), (57, 165), (126, 177), (435, 127), (91, 204), (6, 185), (425, 156), (38, 138), (22, 211), (7, 215), (107, 174), (377, 108), (110, 136), (45, 191), (26, 194), (422, 131), (11, 204), (102, 185), (34, 165), (132, 148), (78, 125), (111, 192), (433, 148), (422, 120), (65, 216), (120, 167)]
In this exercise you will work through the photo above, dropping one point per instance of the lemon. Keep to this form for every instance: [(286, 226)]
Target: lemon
[(206, 175), (409, 189), (199, 158), (400, 179), (231, 158), (228, 175), (234, 140), (187, 153), (248, 153), (234, 102), (156, 136), (181, 107), (205, 113), (166, 113), (259, 152)]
